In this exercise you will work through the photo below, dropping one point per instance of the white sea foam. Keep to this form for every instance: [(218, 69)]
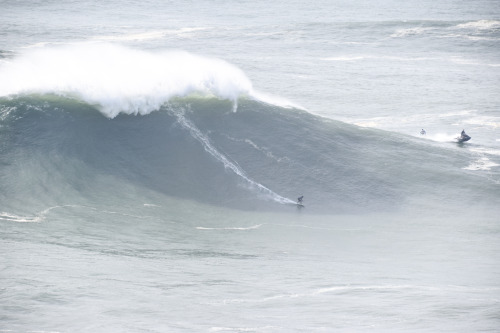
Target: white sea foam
[(231, 228), (150, 35), (482, 163), (350, 58), (454, 59), (345, 58), (442, 137), (334, 289), (243, 329), (119, 79), (487, 121), (410, 32), (151, 205), (19, 219), (41, 216), (480, 25), (463, 61), (36, 218)]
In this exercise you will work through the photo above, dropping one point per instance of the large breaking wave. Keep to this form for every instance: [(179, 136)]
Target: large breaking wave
[(72, 116), (122, 80)]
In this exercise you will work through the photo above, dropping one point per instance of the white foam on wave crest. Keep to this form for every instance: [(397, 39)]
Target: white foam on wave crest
[(119, 79), (275, 100)]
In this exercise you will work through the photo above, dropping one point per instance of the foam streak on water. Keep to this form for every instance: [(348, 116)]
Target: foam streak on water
[(209, 148)]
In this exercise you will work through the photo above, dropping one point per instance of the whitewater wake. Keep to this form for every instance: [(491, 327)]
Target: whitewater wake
[(339, 167), (37, 218), (209, 148)]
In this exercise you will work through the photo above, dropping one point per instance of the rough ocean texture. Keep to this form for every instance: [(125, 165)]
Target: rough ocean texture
[(151, 154)]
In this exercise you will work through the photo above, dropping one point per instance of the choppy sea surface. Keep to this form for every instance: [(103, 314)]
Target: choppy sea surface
[(151, 156)]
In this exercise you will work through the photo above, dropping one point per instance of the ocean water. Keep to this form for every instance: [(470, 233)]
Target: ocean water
[(151, 154)]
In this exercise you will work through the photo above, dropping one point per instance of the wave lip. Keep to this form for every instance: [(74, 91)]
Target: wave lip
[(119, 79)]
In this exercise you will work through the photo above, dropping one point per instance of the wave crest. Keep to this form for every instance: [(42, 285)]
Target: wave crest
[(121, 80)]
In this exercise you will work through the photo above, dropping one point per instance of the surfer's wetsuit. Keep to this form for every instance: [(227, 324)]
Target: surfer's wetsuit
[(299, 199)]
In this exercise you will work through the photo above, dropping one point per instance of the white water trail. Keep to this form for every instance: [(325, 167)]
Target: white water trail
[(37, 218), (209, 148)]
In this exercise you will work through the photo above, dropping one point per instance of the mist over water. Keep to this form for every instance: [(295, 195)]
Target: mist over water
[(151, 157)]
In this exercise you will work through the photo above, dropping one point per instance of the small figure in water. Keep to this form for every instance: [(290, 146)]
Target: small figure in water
[(422, 132), (299, 200), (463, 137)]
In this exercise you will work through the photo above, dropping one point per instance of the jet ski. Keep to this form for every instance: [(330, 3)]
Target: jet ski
[(463, 137)]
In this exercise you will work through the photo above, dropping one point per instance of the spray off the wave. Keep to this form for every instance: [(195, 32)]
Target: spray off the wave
[(119, 79)]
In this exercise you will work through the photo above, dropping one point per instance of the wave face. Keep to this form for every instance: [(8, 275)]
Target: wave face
[(193, 128), (260, 157)]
